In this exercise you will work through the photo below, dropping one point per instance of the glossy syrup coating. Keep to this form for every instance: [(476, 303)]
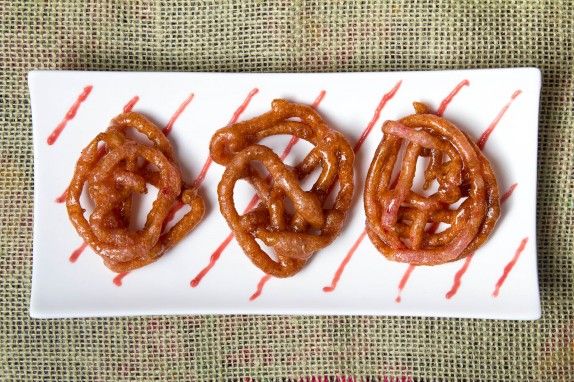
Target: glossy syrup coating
[(293, 235), (402, 223), (115, 167)]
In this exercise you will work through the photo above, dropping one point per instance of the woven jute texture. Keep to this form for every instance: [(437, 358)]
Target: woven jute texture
[(277, 35)]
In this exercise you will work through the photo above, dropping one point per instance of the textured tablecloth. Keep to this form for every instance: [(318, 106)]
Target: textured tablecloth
[(306, 36)]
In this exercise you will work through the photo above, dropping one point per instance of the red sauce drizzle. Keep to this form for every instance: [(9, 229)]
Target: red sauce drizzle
[(445, 102), (167, 129), (131, 103), (344, 263), (509, 267), (252, 203), (62, 197), (458, 277), (260, 286), (69, 115), (484, 137), (243, 106), (199, 179), (119, 277), (319, 98), (197, 182), (212, 260), (508, 193), (404, 281), (386, 98), (77, 252)]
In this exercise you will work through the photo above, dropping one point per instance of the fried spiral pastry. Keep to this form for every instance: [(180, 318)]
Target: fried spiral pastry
[(397, 216), (115, 171), (294, 235)]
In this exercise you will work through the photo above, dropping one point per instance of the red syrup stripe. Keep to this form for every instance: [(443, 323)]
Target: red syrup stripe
[(376, 115), (252, 203), (69, 115), (509, 266), (77, 252), (127, 108), (404, 281), (344, 263), (260, 286), (167, 129), (197, 182), (448, 99), (484, 137), (119, 277), (130, 105), (480, 143), (62, 198), (460, 273)]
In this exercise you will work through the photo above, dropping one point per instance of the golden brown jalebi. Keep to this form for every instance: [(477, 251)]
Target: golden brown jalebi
[(113, 173), (401, 223), (294, 235)]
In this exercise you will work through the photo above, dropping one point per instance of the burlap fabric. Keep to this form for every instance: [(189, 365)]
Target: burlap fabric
[(284, 36)]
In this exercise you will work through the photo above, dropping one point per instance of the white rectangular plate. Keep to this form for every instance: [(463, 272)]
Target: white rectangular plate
[(506, 99)]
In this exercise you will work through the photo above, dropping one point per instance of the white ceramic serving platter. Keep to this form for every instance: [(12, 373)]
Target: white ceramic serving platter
[(503, 99)]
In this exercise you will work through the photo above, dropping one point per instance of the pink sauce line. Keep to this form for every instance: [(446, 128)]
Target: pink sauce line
[(167, 129), (131, 103), (260, 286), (212, 260), (199, 179), (377, 114), (119, 277), (404, 281), (62, 197), (508, 193), (344, 263), (252, 203), (445, 102), (77, 252), (69, 115), (509, 266), (486, 134), (458, 277), (243, 106)]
